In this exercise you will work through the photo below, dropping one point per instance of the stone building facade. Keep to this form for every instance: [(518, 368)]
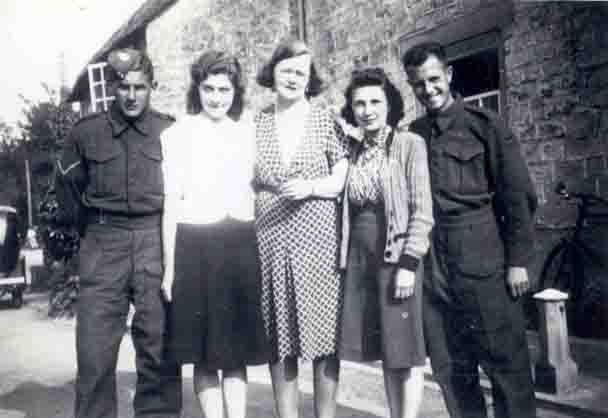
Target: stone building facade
[(248, 29), (549, 59)]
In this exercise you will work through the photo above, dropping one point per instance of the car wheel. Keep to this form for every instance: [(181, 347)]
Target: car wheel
[(17, 299)]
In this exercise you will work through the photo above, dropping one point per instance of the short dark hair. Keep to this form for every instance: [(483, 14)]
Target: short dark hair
[(290, 48), (374, 76), (210, 63), (418, 54)]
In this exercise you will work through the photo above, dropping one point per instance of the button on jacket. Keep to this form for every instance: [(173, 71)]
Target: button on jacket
[(476, 165), (407, 202), (113, 165)]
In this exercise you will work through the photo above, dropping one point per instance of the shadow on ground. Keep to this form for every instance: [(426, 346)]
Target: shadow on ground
[(33, 400)]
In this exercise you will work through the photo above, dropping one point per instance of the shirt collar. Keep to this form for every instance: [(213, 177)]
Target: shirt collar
[(120, 124), (444, 120), (377, 140)]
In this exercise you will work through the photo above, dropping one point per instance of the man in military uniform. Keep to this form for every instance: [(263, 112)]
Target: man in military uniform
[(110, 182), (476, 272)]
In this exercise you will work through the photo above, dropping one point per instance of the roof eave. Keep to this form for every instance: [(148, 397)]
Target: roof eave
[(146, 13)]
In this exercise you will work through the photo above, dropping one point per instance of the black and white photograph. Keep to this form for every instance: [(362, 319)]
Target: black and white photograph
[(303, 208)]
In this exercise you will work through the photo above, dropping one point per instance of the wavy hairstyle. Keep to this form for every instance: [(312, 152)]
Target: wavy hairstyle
[(210, 63), (290, 48), (374, 76)]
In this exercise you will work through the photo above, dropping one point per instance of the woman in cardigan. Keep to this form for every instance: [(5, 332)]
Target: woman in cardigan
[(387, 217)]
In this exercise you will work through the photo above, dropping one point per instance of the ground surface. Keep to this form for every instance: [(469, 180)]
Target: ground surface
[(37, 368)]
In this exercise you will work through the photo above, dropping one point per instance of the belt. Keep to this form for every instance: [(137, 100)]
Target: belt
[(96, 216), (472, 217)]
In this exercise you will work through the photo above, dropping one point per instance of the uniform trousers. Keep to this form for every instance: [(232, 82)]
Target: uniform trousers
[(470, 320), (118, 267)]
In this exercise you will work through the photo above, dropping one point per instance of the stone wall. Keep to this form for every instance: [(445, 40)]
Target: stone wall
[(345, 34), (555, 69), (248, 29), (557, 105), (555, 78), (557, 100)]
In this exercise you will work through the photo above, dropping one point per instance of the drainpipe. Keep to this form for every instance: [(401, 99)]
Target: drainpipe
[(302, 20)]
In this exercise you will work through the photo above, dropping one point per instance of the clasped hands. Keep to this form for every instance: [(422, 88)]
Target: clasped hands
[(296, 189)]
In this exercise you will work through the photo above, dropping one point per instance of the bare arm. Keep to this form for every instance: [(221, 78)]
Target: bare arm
[(169, 226), (331, 186), (328, 187)]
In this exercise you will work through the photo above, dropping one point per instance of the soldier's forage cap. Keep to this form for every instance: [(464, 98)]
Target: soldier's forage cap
[(124, 60)]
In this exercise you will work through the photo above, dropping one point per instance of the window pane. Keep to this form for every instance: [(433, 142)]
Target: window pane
[(477, 73), (96, 72), (105, 105), (491, 102), (98, 91)]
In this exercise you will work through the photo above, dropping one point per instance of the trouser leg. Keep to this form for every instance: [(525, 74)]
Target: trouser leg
[(453, 361), (158, 389), (100, 325), (504, 352)]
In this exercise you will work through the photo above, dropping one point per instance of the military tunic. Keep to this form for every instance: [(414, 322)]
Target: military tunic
[(483, 202), (110, 182)]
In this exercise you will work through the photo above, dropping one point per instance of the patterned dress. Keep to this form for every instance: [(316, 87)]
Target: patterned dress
[(297, 240)]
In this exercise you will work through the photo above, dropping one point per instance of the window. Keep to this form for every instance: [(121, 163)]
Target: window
[(475, 48), (98, 87), (476, 78), (477, 63)]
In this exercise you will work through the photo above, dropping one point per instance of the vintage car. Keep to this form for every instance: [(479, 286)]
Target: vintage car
[(12, 278)]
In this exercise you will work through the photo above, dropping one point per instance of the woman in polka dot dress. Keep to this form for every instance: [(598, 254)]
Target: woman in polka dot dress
[(300, 170)]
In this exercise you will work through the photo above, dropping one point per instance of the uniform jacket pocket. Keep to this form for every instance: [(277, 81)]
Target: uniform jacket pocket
[(465, 164), (105, 168)]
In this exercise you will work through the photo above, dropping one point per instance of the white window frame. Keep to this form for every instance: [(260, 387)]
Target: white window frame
[(470, 47), (477, 99), (104, 100)]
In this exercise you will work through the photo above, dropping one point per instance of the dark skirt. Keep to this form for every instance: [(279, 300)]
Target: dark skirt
[(215, 314), (375, 325)]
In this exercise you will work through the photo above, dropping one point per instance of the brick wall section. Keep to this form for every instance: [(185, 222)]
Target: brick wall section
[(556, 82), (556, 101), (366, 32), (249, 29), (591, 116), (557, 97), (346, 33)]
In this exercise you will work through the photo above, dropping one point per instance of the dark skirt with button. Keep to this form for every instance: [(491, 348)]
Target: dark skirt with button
[(215, 314), (375, 325)]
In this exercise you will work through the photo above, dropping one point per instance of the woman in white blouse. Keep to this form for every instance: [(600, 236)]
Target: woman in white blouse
[(210, 256)]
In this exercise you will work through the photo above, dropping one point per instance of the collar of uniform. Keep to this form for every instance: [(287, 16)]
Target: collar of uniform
[(444, 120), (120, 124)]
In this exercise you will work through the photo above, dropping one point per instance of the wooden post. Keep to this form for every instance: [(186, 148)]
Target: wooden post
[(555, 371), (28, 186)]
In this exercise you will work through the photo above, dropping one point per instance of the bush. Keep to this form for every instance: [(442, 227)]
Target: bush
[(63, 289)]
